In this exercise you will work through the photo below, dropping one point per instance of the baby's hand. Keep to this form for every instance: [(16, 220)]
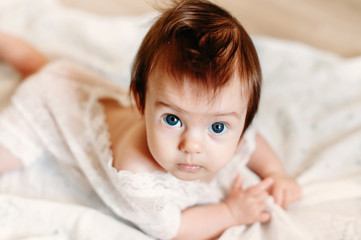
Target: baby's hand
[(285, 190), (249, 205)]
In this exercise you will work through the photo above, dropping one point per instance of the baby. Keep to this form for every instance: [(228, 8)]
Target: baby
[(170, 166)]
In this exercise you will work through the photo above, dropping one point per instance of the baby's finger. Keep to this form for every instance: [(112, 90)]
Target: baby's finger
[(265, 217), (262, 186), (278, 195), (237, 183), (287, 199), (290, 197)]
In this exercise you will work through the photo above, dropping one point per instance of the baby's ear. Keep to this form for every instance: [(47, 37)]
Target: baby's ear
[(137, 103)]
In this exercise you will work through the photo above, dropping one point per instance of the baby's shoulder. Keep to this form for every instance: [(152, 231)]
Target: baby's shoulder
[(128, 140), (135, 161), (132, 152)]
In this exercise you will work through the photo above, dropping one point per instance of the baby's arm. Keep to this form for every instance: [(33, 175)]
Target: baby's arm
[(265, 163), (8, 161), (21, 55), (241, 207)]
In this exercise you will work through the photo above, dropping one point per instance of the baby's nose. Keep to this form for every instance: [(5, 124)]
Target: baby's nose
[(191, 144)]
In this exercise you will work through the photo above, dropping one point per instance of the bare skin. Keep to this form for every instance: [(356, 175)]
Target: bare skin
[(21, 55), (128, 139), (285, 190)]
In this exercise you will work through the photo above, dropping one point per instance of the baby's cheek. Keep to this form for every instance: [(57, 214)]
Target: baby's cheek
[(221, 157), (162, 146)]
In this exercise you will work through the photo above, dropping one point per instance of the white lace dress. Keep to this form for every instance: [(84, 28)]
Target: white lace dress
[(57, 111)]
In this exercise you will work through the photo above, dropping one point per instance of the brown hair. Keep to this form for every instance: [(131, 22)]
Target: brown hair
[(201, 41)]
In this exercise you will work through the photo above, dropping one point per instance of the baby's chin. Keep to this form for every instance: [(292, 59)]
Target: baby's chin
[(193, 176)]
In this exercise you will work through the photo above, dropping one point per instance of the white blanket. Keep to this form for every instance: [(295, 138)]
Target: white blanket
[(310, 113)]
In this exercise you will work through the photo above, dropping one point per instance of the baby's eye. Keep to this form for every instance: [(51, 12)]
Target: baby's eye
[(218, 128), (172, 120)]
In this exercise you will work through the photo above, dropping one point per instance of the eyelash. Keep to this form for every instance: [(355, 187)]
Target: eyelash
[(174, 121)]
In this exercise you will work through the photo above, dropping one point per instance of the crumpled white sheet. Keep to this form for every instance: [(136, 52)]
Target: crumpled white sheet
[(310, 113)]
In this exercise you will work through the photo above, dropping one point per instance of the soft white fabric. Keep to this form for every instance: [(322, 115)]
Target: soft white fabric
[(310, 114), (57, 113)]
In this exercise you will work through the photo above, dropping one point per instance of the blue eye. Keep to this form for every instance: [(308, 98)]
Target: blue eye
[(172, 120), (218, 128)]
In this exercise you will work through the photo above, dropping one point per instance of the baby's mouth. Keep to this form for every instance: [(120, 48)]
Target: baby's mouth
[(189, 167)]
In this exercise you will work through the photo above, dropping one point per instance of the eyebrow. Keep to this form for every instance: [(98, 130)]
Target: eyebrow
[(179, 109)]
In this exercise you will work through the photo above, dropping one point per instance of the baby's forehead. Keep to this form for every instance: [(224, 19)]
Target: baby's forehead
[(163, 78), (187, 88), (189, 103)]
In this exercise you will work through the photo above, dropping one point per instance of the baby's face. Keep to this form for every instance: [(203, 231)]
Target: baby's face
[(190, 134)]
